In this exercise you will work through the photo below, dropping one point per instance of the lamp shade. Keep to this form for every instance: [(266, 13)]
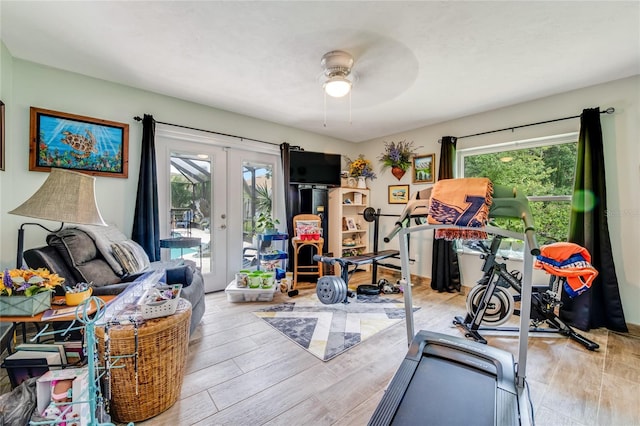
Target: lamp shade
[(66, 196), (337, 87)]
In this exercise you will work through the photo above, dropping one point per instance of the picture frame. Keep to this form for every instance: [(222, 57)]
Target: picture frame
[(351, 224), (398, 194), (423, 170), (2, 133), (90, 145)]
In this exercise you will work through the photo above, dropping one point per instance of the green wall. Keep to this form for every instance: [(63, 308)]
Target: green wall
[(25, 84), (30, 84)]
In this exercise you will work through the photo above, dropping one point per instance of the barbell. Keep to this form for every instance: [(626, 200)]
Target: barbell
[(370, 214)]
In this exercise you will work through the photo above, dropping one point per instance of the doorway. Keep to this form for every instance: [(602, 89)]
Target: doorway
[(210, 189)]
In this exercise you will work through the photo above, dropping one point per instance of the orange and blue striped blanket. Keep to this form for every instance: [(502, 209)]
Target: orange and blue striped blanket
[(461, 202)]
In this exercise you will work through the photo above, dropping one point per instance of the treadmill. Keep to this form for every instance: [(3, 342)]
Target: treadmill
[(448, 380), (479, 380)]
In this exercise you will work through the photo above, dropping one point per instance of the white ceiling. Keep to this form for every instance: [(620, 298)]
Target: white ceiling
[(418, 63)]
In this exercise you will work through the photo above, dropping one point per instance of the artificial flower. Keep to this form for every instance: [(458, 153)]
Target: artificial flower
[(27, 282), (360, 167), (397, 155)]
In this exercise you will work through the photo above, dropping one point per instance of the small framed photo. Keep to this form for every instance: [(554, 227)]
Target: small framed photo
[(398, 194), (351, 224), (90, 145), (423, 168)]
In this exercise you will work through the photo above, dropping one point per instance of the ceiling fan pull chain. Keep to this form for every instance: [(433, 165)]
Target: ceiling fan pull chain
[(325, 108)]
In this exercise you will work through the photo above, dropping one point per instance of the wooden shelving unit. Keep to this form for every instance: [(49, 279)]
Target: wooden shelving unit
[(348, 231)]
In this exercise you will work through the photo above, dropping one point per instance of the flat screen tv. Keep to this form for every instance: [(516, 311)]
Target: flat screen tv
[(314, 168)]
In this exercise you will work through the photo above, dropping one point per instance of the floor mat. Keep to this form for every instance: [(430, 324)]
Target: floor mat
[(329, 330)]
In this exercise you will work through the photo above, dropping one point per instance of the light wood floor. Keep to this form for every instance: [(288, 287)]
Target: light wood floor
[(241, 371)]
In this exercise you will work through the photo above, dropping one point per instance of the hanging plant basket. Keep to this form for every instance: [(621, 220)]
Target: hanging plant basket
[(397, 172), (397, 155)]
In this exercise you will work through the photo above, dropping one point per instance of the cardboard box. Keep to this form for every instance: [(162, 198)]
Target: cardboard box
[(81, 409)]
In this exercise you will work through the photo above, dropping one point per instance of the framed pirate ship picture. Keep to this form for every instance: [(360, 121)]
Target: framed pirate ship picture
[(90, 145)]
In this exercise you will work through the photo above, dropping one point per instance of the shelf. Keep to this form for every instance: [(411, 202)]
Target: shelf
[(341, 213), (272, 237), (269, 260), (277, 255)]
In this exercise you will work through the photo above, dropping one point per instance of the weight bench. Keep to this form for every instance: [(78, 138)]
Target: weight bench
[(332, 289)]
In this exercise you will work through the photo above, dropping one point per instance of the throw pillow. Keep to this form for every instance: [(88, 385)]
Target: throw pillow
[(79, 251), (131, 256), (103, 237)]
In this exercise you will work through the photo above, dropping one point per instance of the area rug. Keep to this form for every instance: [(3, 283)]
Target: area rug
[(329, 330)]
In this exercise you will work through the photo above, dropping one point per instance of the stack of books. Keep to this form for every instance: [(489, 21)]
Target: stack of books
[(33, 360)]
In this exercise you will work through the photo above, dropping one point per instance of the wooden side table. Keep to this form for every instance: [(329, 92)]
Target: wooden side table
[(147, 386)]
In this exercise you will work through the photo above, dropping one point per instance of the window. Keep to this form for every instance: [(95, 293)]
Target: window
[(190, 184), (257, 195), (541, 168)]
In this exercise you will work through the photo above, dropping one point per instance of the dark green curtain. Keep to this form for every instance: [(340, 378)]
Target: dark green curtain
[(445, 269), (146, 224), (601, 305)]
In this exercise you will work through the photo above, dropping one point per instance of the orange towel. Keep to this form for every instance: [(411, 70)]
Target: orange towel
[(568, 260), (461, 202)]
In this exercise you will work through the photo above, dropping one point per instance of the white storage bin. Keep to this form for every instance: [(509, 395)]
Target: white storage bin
[(235, 294), (155, 304)]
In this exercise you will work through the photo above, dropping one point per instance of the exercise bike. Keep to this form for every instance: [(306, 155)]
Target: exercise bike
[(490, 303)]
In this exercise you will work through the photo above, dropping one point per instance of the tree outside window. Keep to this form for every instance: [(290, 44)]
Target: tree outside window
[(543, 170)]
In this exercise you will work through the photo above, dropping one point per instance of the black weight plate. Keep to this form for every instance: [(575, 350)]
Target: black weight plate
[(368, 289), (369, 214)]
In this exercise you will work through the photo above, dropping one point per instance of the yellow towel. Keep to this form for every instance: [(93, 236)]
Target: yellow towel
[(461, 202)]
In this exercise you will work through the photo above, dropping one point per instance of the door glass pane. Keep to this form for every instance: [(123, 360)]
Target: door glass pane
[(190, 213), (256, 198)]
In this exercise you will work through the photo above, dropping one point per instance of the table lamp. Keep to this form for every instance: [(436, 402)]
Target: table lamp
[(66, 196)]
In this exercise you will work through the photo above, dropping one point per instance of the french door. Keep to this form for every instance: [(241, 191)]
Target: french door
[(203, 185)]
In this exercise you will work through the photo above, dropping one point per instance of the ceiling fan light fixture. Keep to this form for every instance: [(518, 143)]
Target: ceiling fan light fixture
[(337, 86), (336, 67)]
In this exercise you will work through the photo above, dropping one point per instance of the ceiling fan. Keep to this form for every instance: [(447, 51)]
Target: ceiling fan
[(337, 75)]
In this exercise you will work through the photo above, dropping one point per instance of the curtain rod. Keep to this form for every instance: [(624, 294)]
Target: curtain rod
[(609, 110), (137, 118)]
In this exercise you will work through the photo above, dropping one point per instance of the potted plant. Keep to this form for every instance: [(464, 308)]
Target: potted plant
[(266, 224), (26, 292), (360, 169), (398, 157)]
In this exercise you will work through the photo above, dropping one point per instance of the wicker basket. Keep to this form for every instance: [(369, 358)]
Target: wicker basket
[(162, 356)]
